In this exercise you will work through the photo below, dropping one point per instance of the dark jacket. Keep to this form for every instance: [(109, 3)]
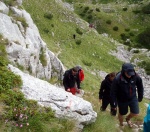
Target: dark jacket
[(69, 79), (104, 92), (125, 89), (78, 81)]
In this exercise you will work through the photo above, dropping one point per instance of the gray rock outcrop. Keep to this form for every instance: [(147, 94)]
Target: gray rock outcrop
[(25, 47), (63, 103)]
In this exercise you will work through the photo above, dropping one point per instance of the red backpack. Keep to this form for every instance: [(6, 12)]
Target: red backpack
[(81, 75)]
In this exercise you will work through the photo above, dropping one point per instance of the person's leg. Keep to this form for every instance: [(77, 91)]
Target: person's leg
[(131, 115), (120, 118), (123, 110), (134, 111), (105, 103)]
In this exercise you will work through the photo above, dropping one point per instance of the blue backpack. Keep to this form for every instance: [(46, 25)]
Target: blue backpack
[(146, 124)]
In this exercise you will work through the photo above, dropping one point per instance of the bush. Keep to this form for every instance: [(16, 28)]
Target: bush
[(82, 14), (146, 9), (124, 9), (48, 15), (86, 8), (144, 38), (131, 34), (127, 29), (42, 57), (136, 51), (146, 66), (46, 30), (10, 2), (8, 79), (97, 9), (108, 21), (115, 28), (89, 16), (52, 25), (78, 42), (90, 11), (79, 31), (136, 11)]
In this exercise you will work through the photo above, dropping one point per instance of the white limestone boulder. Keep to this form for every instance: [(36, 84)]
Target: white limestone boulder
[(63, 103)]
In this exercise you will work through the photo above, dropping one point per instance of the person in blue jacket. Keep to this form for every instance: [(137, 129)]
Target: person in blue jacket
[(127, 89), (147, 120)]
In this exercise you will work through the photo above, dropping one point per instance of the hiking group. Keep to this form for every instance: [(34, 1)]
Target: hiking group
[(122, 91)]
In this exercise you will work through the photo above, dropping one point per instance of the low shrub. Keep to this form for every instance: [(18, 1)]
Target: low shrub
[(90, 16), (108, 21), (115, 28), (144, 38), (125, 9), (146, 9), (136, 51), (48, 15), (127, 29), (79, 31), (78, 42)]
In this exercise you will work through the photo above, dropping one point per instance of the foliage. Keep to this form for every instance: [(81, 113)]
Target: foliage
[(78, 42), (8, 79), (108, 21), (115, 28), (10, 2), (79, 31), (97, 9), (23, 21), (146, 9), (43, 57), (146, 66), (48, 15), (144, 38), (125, 9)]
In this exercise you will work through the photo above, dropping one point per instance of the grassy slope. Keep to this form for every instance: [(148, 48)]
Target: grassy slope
[(136, 23), (92, 51)]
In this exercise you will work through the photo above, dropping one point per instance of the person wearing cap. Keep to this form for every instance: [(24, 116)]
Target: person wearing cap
[(70, 80), (127, 90)]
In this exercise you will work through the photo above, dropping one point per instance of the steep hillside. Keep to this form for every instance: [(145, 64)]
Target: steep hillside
[(123, 21), (89, 49), (75, 43)]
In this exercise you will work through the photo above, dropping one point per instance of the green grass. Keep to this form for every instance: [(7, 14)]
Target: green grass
[(137, 23), (57, 26)]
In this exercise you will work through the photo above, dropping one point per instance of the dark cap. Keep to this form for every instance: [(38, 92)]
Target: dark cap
[(128, 67)]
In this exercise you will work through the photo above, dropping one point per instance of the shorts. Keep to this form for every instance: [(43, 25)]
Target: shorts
[(133, 105)]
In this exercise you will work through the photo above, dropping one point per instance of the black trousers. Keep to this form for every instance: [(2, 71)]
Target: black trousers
[(105, 103)]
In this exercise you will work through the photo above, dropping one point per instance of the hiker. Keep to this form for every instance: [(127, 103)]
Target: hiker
[(127, 89), (70, 80), (74, 36), (104, 93), (80, 77), (146, 124)]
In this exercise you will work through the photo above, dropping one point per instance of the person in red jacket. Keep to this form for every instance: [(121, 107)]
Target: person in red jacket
[(80, 77), (70, 80)]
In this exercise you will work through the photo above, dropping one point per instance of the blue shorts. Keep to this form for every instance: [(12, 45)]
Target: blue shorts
[(133, 105)]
